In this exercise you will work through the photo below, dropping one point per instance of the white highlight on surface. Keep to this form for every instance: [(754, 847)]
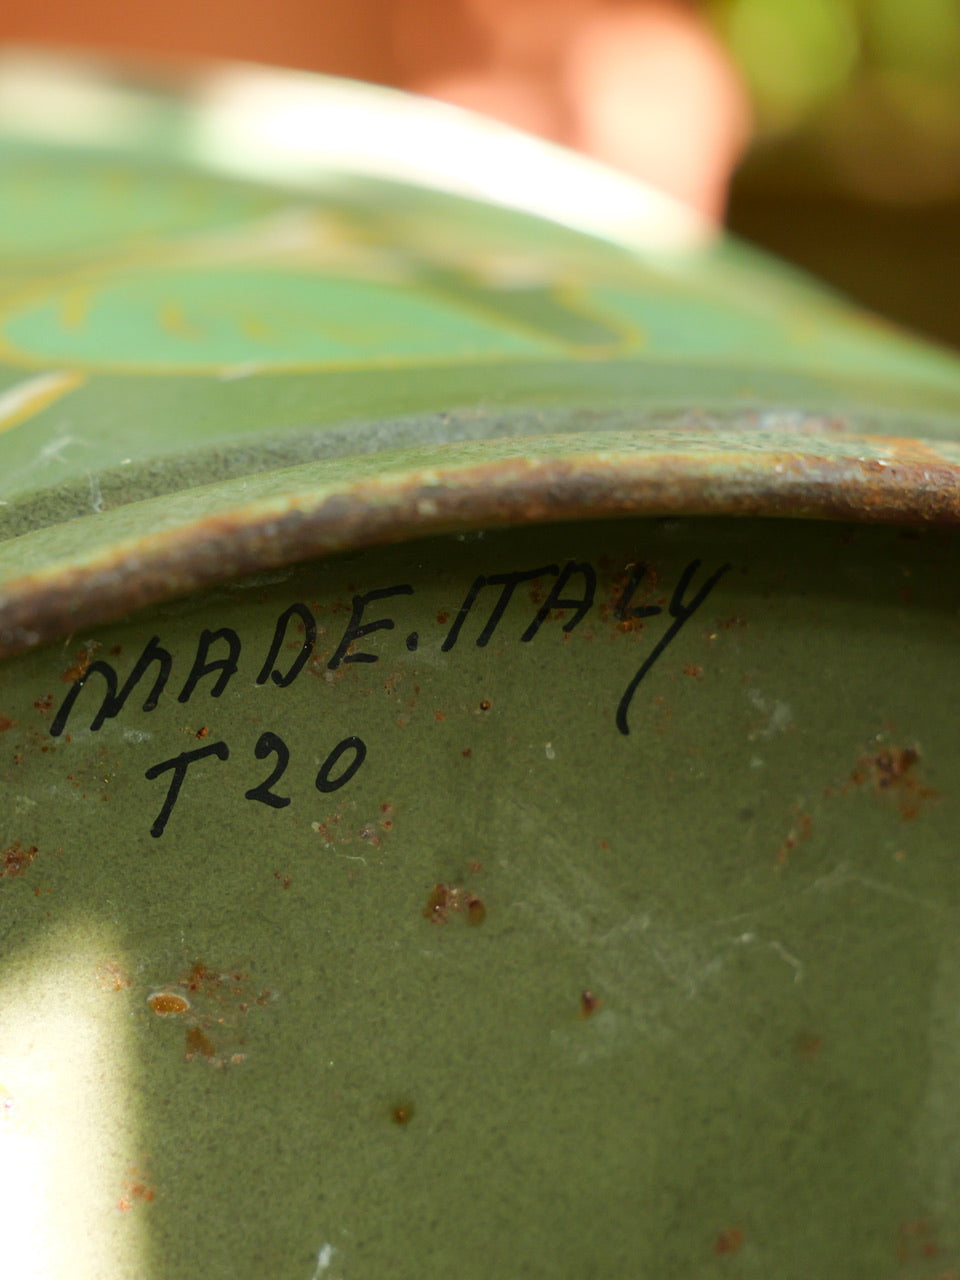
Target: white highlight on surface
[(297, 127), (28, 397), (289, 124), (136, 735), (779, 716), (65, 1119), (324, 1258)]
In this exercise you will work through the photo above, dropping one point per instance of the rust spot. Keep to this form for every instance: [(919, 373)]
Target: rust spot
[(916, 1240), (199, 978), (485, 704), (475, 866), (446, 898), (110, 977), (167, 1002), (6, 723), (135, 1192), (438, 716), (892, 766), (588, 1004), (799, 832), (443, 617), (285, 881), (438, 904), (15, 860), (81, 661), (402, 1113), (808, 1045), (893, 771), (476, 911), (202, 733), (116, 650), (691, 669), (44, 704), (729, 1241), (631, 624), (467, 753), (199, 1043)]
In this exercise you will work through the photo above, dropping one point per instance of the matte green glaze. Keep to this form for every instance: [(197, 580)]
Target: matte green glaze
[(373, 913), (156, 316), (765, 911)]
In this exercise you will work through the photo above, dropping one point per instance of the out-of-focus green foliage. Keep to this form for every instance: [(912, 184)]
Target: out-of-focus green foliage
[(794, 56), (874, 84)]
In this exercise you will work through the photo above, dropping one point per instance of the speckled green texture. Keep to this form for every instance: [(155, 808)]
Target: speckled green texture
[(767, 1087), (687, 1005)]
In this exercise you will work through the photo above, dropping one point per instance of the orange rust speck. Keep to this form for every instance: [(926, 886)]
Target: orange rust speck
[(891, 771), (443, 617), (199, 977), (475, 865), (198, 1042), (485, 704), (445, 898), (604, 844), (588, 1003), (202, 733), (286, 881), (808, 1045), (467, 753), (891, 766), (438, 716), (437, 904), (15, 860), (167, 1002), (691, 669), (402, 1113), (799, 832), (79, 668), (5, 724), (110, 977), (729, 1241), (136, 1191), (44, 703)]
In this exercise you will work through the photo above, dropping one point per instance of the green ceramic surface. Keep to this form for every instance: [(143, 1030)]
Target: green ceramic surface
[(459, 884), (757, 884)]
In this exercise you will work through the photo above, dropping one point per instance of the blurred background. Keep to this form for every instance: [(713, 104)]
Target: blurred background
[(825, 130)]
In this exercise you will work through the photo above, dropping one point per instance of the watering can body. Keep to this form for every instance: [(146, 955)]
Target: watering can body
[(478, 715)]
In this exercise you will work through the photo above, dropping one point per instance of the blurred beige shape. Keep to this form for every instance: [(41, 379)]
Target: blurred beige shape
[(653, 93), (644, 87), (516, 98)]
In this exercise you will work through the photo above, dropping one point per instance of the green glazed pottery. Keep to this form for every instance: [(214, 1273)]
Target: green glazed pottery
[(478, 712)]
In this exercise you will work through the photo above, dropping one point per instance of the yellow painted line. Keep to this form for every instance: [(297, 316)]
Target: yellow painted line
[(27, 398)]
